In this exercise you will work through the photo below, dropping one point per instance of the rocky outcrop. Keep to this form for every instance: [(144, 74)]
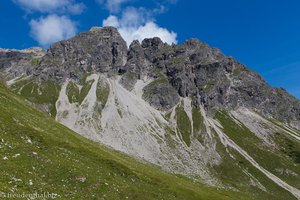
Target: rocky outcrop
[(100, 50), (15, 63), (160, 94)]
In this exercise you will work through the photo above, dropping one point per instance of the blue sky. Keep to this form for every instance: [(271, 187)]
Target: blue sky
[(264, 35)]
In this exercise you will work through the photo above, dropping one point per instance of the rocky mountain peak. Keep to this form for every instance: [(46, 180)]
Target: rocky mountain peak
[(152, 42), (99, 49), (193, 42), (134, 43)]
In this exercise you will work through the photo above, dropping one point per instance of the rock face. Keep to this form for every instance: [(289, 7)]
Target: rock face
[(160, 94), (15, 63), (98, 50), (210, 78)]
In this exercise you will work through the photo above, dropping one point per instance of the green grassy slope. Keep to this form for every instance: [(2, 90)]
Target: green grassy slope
[(45, 93), (39, 155), (285, 156)]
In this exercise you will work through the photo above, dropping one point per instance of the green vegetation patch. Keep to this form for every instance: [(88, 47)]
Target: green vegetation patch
[(73, 92), (241, 135), (85, 90), (198, 124), (44, 93), (272, 159), (77, 95), (160, 80), (289, 147), (102, 92), (183, 124), (35, 62)]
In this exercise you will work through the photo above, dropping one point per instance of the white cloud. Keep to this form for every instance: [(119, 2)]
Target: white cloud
[(51, 6), (50, 29), (136, 24), (150, 30), (113, 5), (111, 21)]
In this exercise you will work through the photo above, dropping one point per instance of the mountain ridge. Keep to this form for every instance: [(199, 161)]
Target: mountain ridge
[(103, 50)]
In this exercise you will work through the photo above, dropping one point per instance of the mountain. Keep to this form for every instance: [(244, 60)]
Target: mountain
[(187, 109)]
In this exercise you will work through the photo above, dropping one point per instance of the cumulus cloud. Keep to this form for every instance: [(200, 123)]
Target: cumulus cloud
[(137, 24), (51, 6), (50, 29)]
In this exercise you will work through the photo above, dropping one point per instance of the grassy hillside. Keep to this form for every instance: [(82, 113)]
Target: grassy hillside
[(284, 156), (40, 155)]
